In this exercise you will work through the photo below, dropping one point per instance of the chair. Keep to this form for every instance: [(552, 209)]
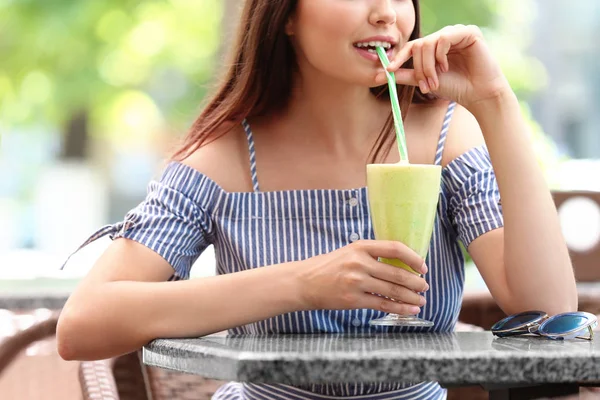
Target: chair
[(579, 212), (113, 379), (120, 378), (29, 364), (127, 378), (13, 345)]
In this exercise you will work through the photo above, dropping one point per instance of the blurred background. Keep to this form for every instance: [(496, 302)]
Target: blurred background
[(95, 94)]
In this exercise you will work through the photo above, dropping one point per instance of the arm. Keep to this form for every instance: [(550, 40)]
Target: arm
[(120, 305), (124, 302), (526, 264), (533, 270)]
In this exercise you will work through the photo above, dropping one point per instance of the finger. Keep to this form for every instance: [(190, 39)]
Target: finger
[(429, 63), (461, 36), (392, 249), (404, 54), (404, 76), (397, 276), (394, 292), (379, 303), (441, 52), (418, 66)]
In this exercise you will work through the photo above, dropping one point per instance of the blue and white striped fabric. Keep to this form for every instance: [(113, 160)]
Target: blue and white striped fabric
[(185, 211)]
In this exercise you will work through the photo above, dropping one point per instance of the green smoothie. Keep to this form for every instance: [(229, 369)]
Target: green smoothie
[(403, 200)]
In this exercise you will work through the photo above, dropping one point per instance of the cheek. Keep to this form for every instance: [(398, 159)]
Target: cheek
[(406, 21), (318, 29)]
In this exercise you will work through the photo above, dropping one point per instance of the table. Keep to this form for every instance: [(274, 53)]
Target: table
[(510, 368)]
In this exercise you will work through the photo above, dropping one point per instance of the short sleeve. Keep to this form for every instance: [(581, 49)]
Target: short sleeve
[(474, 202), (170, 221)]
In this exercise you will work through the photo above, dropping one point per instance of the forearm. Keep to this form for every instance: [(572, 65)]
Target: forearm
[(538, 270), (120, 317)]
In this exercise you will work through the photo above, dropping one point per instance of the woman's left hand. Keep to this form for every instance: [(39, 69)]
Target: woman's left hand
[(454, 63)]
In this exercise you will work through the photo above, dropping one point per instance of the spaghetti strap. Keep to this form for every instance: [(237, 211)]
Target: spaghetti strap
[(252, 152), (444, 133)]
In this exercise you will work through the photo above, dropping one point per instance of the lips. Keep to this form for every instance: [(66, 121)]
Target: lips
[(369, 52), (367, 47), (374, 41), (372, 45)]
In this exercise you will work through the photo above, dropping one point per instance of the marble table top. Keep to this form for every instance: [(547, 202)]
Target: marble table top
[(459, 358)]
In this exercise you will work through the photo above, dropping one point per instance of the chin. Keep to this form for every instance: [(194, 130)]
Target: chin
[(364, 81), (357, 78), (374, 85)]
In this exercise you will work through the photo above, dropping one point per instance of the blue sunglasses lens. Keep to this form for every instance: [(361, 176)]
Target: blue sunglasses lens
[(564, 323), (517, 320)]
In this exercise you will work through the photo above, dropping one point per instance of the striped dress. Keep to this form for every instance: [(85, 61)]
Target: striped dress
[(185, 212)]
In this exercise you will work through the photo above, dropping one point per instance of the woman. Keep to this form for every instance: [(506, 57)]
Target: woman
[(273, 173)]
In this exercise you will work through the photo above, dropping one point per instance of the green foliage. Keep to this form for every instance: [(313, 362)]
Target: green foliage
[(61, 56), (437, 14)]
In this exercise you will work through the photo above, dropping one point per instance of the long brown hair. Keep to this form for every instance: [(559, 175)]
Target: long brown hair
[(260, 75)]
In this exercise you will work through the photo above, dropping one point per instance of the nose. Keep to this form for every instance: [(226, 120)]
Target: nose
[(382, 13)]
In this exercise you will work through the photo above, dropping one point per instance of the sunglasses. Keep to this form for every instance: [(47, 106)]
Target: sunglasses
[(564, 326)]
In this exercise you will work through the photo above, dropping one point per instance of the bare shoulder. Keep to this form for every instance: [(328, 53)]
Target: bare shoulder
[(464, 134), (225, 159)]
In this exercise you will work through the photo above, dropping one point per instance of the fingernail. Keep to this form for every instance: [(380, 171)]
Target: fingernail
[(414, 310), (422, 301), (426, 287), (431, 82), (424, 268), (380, 77), (423, 86)]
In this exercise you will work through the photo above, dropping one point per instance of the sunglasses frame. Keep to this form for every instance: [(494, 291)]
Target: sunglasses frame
[(537, 324)]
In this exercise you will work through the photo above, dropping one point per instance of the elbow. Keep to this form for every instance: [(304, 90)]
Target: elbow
[(67, 336), (552, 305), (81, 338), (569, 304), (560, 308), (572, 303), (78, 337)]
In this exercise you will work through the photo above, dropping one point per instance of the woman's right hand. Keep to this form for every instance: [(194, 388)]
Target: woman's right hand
[(347, 278)]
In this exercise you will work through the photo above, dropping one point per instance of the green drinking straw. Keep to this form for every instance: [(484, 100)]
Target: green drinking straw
[(399, 127)]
